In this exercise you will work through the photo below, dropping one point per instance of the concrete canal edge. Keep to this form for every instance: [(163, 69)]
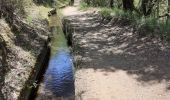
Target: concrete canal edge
[(30, 88), (68, 31)]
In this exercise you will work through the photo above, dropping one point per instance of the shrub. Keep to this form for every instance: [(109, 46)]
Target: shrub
[(106, 13), (83, 6), (10, 9), (12, 6)]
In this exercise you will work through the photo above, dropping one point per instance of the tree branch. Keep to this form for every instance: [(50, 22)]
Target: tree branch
[(164, 15)]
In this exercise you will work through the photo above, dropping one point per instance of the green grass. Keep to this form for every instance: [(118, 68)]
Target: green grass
[(165, 27), (83, 6), (53, 3), (106, 13), (61, 3), (118, 13), (29, 19), (150, 24)]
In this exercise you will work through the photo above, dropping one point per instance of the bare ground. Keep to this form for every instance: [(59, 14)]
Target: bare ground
[(114, 63)]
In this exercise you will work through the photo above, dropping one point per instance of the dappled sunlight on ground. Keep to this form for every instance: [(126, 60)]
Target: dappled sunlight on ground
[(102, 85), (119, 46), (115, 63)]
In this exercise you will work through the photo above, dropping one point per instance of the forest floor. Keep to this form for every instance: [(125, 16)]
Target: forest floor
[(114, 62)]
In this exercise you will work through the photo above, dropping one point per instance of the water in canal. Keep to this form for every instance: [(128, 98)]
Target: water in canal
[(58, 80)]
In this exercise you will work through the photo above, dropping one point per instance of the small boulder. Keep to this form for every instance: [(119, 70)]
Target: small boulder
[(52, 12)]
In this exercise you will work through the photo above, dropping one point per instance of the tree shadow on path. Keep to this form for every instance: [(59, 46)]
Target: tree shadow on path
[(116, 47)]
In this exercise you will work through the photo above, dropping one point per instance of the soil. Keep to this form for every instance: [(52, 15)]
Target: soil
[(22, 48), (115, 63)]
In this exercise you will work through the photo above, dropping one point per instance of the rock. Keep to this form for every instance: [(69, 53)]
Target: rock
[(52, 12)]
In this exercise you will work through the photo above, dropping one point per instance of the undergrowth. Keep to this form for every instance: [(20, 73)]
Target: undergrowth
[(52, 3), (143, 25), (83, 6)]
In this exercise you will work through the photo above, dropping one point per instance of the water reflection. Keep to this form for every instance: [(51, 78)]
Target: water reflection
[(59, 75), (58, 81)]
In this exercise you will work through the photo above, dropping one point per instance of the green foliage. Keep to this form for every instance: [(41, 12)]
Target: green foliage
[(61, 3), (102, 3), (83, 6), (165, 28), (122, 14), (119, 13), (52, 3), (151, 23), (29, 19), (11, 6), (153, 26), (96, 3), (106, 13)]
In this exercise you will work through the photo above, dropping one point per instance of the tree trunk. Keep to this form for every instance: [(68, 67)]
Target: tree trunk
[(168, 10), (157, 9), (111, 3), (87, 1), (71, 2), (147, 6), (128, 5), (144, 7)]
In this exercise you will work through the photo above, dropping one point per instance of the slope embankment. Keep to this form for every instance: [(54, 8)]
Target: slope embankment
[(23, 50)]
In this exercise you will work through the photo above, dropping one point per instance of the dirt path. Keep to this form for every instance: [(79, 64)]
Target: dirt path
[(115, 63)]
